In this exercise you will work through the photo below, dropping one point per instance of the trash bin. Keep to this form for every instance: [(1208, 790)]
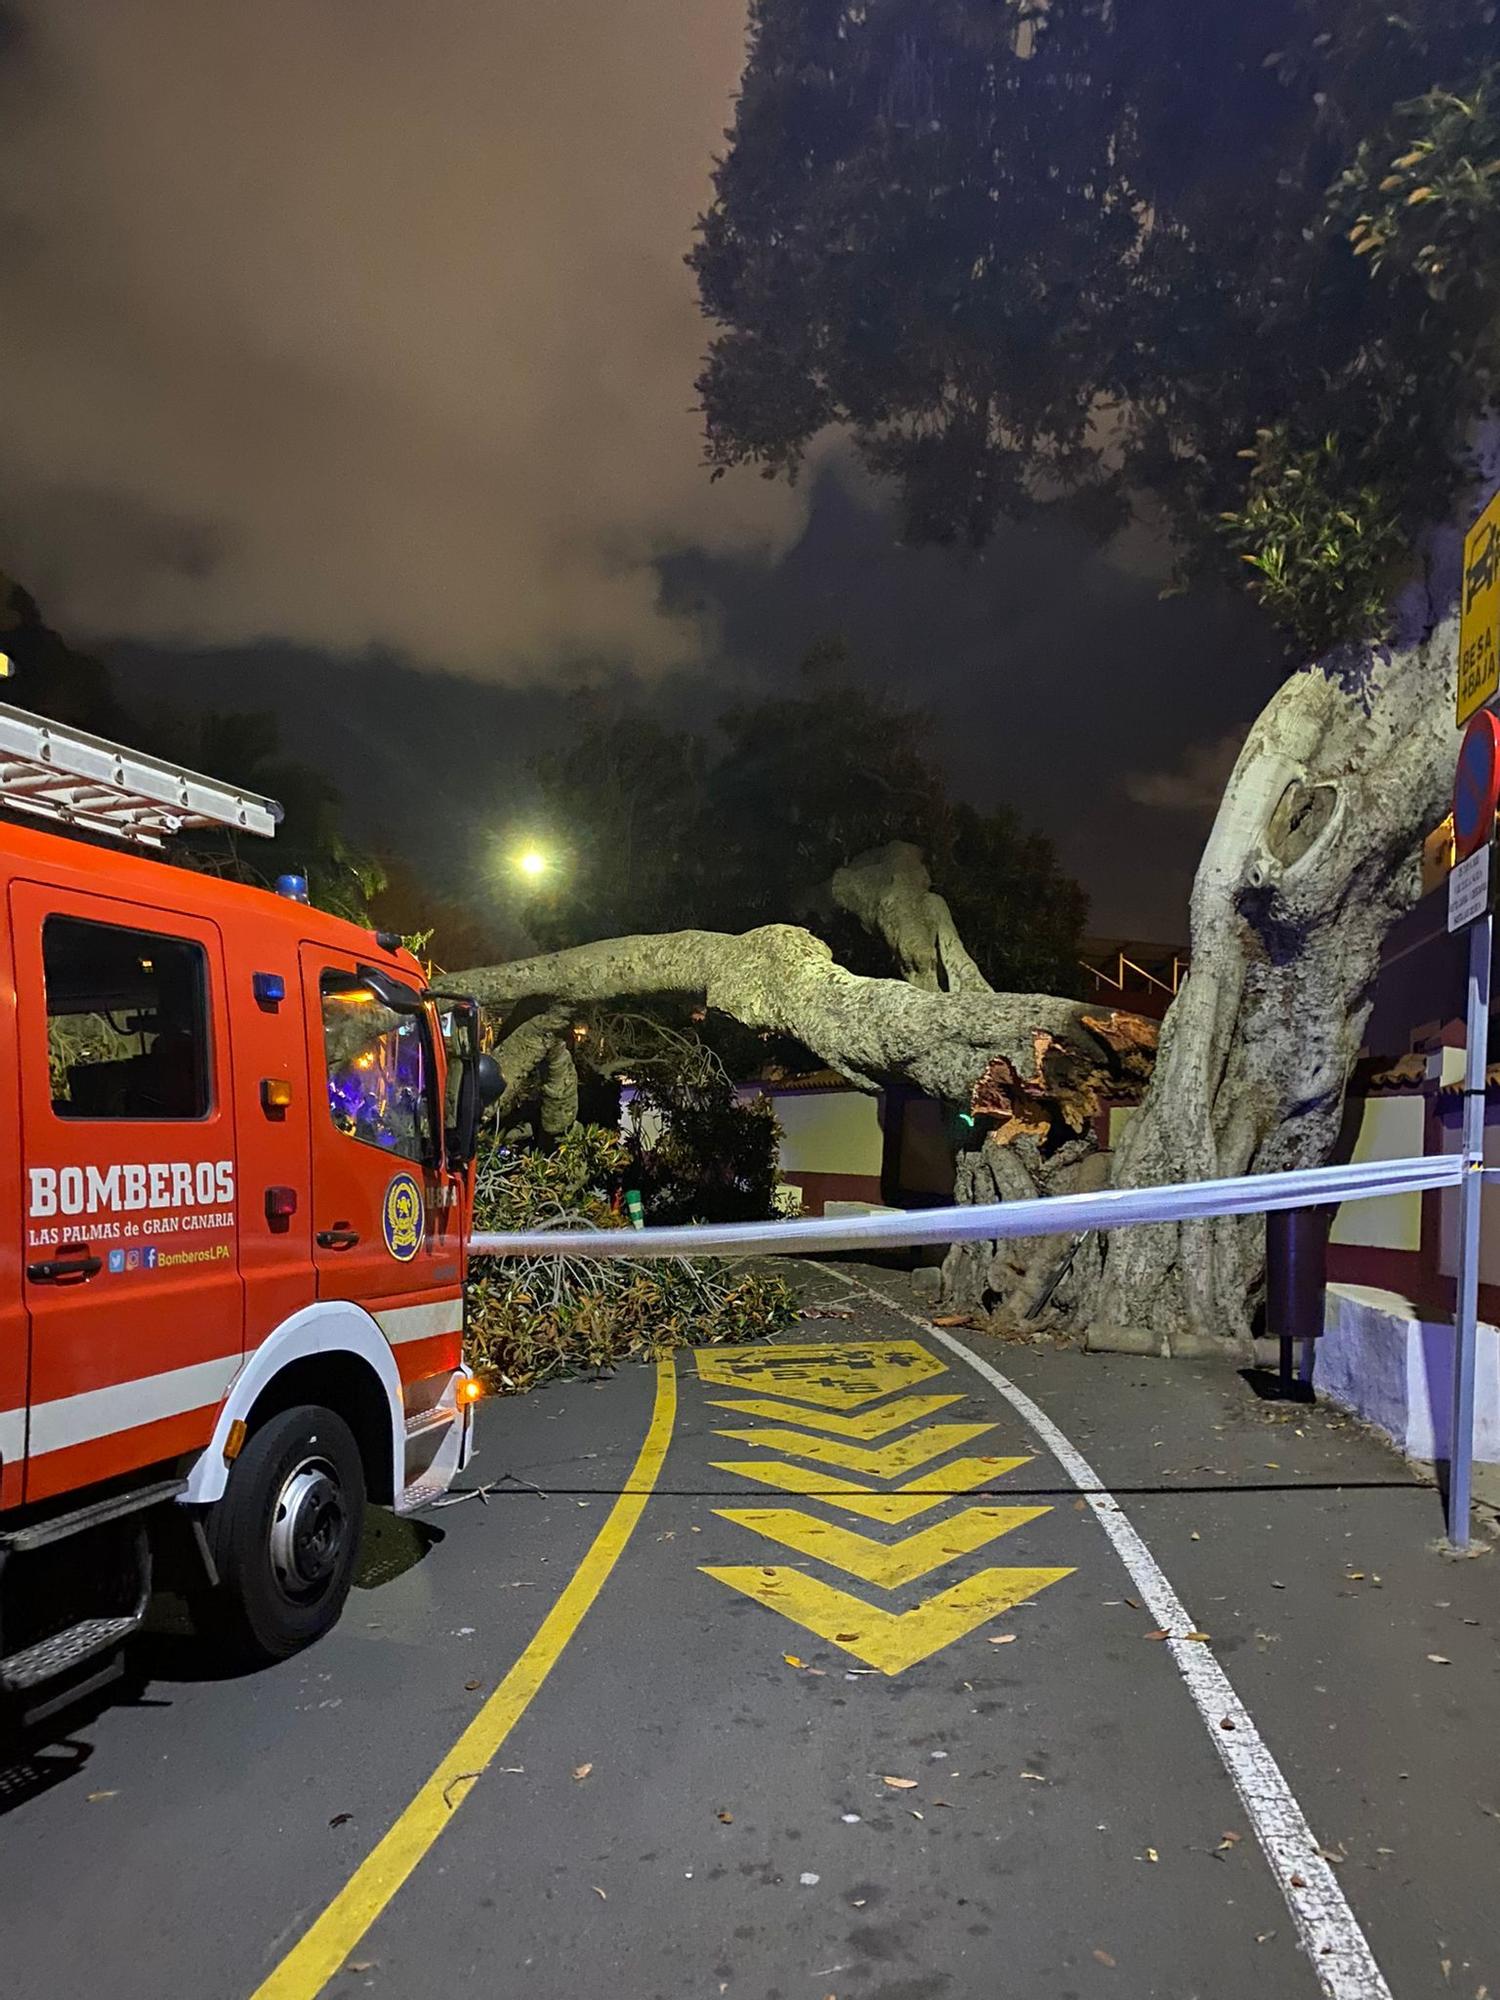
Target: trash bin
[(1296, 1277)]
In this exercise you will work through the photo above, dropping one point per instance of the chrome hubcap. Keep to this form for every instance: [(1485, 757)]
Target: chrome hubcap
[(308, 1529)]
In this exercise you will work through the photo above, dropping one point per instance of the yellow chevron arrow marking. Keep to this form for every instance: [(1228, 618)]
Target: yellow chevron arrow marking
[(835, 1374), (873, 1424), (888, 1564), (889, 1640), (918, 1496), (876, 1462)]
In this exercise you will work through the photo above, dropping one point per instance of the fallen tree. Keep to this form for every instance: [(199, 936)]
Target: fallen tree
[(1031, 1070), (1069, 254)]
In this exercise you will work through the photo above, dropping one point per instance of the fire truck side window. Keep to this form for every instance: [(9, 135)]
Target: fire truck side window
[(127, 1022), (379, 1072)]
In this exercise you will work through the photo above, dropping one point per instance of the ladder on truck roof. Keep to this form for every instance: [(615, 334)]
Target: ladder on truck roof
[(100, 787)]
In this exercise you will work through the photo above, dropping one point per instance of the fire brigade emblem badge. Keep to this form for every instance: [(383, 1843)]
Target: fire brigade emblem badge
[(402, 1218)]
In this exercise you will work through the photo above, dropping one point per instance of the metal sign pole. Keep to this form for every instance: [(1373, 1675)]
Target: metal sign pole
[(1466, 1319)]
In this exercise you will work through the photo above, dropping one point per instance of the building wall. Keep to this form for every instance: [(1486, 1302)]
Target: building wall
[(1390, 1128), (830, 1132)]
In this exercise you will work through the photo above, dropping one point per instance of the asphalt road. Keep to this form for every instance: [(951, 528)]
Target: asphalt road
[(697, 1797)]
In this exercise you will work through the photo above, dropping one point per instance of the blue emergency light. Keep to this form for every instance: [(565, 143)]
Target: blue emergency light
[(293, 887)]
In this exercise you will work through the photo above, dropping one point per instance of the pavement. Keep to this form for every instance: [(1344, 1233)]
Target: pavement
[(860, 1701)]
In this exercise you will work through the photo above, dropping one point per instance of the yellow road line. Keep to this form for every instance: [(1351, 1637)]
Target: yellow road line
[(888, 1564), (918, 1496), (871, 1424), (314, 1959), (889, 1640), (876, 1461)]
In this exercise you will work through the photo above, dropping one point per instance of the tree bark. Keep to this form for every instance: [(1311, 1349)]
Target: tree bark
[(1035, 1064), (1315, 852), (889, 892)]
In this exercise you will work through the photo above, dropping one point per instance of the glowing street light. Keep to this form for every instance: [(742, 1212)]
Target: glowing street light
[(532, 862)]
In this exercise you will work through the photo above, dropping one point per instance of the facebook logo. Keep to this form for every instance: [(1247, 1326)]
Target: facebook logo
[(148, 1256)]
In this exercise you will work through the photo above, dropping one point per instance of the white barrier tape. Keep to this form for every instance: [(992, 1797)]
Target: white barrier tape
[(1058, 1215)]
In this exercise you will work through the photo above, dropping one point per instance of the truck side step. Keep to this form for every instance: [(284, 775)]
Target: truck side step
[(65, 1649), (60, 1526)]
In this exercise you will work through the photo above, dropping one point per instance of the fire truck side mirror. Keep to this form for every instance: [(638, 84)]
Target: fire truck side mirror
[(478, 1088)]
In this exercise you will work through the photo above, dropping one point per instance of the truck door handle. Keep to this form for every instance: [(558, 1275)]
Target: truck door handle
[(340, 1237), (64, 1270)]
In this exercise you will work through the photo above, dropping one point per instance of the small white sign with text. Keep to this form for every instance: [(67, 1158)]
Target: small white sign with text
[(1469, 889)]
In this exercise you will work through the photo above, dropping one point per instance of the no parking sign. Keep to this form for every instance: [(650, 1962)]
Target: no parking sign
[(1476, 792)]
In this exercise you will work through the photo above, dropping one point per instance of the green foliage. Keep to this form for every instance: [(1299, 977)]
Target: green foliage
[(531, 1320), (1424, 200), (1076, 253), (669, 830), (1324, 551), (712, 1159)]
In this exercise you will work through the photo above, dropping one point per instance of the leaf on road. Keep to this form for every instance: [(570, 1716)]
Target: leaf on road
[(954, 1319), (581, 1771), (1103, 1956), (900, 1784), (1440, 1659), (1035, 1777), (95, 1797), (600, 1893), (792, 1660), (915, 1814), (1152, 1855), (1004, 1639), (341, 1819), (727, 1818), (470, 1686), (1229, 1840), (1156, 1635), (1200, 1637)]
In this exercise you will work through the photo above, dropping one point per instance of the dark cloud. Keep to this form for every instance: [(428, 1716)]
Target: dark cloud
[(362, 323), (1195, 783)]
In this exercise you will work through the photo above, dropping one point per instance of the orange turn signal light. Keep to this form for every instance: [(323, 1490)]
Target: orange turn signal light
[(275, 1093), (469, 1391)]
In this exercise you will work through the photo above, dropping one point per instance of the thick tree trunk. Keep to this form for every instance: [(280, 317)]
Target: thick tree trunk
[(1037, 1065), (1314, 854), (889, 892)]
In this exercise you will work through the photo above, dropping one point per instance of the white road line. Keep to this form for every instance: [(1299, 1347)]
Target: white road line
[(1329, 1929)]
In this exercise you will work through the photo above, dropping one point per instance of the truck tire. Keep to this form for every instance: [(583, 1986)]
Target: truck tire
[(285, 1535)]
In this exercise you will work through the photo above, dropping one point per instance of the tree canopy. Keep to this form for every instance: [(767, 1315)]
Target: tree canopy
[(1242, 259), (667, 830)]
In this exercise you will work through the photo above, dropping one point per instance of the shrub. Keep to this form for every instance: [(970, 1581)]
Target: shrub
[(533, 1319)]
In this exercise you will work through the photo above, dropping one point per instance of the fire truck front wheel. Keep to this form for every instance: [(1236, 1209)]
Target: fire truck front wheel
[(285, 1535)]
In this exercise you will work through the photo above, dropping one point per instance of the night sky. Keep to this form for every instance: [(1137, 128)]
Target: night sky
[(349, 357)]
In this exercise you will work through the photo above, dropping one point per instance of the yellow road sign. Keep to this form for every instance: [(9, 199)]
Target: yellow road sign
[(889, 1640), (840, 1379), (1479, 615), (835, 1374)]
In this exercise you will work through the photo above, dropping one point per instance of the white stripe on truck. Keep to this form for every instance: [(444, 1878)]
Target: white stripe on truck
[(98, 1413)]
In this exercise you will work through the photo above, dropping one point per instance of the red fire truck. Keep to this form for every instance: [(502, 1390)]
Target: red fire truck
[(236, 1141)]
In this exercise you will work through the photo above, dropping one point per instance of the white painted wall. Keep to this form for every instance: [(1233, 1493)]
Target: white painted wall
[(1390, 1129), (1382, 1362), (829, 1132)]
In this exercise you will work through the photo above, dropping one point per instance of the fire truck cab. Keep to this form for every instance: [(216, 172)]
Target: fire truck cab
[(236, 1140)]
